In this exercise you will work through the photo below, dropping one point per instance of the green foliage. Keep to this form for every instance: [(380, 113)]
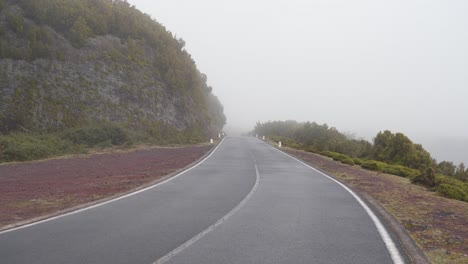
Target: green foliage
[(453, 192), (287, 142), (347, 160), (461, 172), (17, 116), (398, 170), (374, 165), (314, 137), (16, 23), (146, 47), (30, 41), (447, 186), (24, 147), (446, 168), (80, 31), (163, 133), (41, 29), (99, 135), (329, 154), (391, 153), (309, 149), (79, 20), (457, 190), (399, 149), (358, 161), (193, 134), (401, 171), (339, 157)]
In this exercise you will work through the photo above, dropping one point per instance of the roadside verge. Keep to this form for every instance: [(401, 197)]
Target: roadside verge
[(35, 192), (438, 225)]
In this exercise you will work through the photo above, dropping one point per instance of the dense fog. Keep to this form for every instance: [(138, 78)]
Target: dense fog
[(360, 66)]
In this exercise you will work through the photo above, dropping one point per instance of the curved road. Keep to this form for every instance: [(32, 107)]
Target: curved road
[(246, 203)]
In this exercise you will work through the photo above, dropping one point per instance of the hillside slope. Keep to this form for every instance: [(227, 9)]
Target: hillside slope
[(66, 64)]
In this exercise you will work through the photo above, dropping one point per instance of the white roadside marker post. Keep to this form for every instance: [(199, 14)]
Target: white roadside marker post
[(219, 135), (263, 137), (256, 135), (279, 144), (211, 141)]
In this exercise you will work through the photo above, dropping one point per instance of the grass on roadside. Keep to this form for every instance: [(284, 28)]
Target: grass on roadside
[(28, 146)]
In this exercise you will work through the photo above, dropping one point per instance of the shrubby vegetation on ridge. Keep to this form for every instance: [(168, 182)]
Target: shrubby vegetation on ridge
[(392, 153), (90, 73)]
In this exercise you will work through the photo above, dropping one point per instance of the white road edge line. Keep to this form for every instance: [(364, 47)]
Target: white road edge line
[(389, 244), (190, 242), (115, 199)]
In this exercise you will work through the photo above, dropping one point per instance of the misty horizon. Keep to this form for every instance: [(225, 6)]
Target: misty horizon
[(361, 66)]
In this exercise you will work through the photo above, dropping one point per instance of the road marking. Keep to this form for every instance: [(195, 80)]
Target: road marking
[(115, 199), (389, 244), (190, 242)]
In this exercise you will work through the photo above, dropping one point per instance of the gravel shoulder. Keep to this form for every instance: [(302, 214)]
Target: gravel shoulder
[(32, 191), (438, 225)]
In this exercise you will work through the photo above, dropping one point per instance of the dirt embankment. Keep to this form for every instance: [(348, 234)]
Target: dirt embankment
[(438, 225), (34, 189)]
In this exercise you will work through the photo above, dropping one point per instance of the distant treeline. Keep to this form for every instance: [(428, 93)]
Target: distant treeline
[(389, 152)]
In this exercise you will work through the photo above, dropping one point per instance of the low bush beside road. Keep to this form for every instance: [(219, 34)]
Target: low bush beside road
[(25, 147), (449, 187), (339, 157), (30, 146), (104, 135), (392, 153), (398, 170)]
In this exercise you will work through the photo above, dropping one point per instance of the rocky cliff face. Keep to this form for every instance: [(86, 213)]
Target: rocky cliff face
[(49, 81)]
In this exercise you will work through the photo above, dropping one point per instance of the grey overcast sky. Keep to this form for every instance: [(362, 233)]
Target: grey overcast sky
[(361, 66)]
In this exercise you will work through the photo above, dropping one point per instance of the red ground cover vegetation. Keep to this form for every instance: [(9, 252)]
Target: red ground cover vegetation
[(34, 189)]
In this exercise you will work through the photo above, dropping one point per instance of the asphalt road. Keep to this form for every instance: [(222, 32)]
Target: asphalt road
[(246, 203)]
